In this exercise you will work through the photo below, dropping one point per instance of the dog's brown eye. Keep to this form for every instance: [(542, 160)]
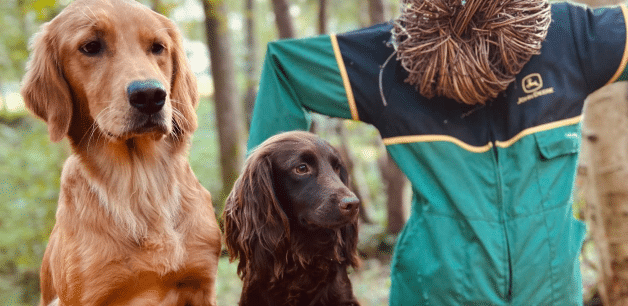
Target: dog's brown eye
[(92, 48), (157, 48), (302, 169)]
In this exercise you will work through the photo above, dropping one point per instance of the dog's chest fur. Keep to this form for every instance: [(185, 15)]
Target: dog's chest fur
[(150, 238), (144, 200)]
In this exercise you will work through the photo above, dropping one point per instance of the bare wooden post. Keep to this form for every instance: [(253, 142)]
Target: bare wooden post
[(605, 145), (605, 158)]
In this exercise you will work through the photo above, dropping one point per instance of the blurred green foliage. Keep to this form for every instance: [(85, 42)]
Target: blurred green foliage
[(204, 149), (19, 20), (30, 167)]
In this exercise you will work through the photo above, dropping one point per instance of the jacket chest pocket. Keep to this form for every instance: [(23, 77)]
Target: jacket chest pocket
[(556, 165)]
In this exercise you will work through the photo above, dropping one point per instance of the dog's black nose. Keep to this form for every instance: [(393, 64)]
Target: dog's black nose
[(147, 96), (349, 205)]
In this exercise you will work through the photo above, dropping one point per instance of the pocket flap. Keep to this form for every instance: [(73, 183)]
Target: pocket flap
[(559, 141)]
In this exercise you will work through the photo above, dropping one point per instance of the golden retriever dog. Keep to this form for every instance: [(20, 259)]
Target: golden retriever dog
[(133, 224)]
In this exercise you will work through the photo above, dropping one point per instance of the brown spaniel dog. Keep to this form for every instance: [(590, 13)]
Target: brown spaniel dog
[(133, 224), (292, 222)]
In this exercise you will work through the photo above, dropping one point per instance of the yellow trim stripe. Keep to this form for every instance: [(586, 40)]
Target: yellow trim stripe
[(624, 59), (434, 138), (345, 78), (536, 129), (480, 149)]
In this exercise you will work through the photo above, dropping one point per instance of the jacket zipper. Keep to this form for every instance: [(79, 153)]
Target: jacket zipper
[(500, 199)]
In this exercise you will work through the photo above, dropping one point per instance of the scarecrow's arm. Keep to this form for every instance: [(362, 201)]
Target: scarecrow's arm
[(298, 76), (599, 41)]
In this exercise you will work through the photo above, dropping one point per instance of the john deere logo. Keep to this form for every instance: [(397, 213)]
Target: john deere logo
[(532, 85)]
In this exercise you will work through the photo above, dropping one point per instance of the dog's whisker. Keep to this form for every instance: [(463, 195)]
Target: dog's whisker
[(163, 29), (92, 129), (180, 118), (93, 14), (104, 115), (89, 18), (179, 114)]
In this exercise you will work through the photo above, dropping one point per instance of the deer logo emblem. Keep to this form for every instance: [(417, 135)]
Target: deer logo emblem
[(532, 83)]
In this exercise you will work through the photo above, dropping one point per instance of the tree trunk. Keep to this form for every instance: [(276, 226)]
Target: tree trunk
[(283, 19), (227, 108), (250, 62), (322, 17), (394, 179), (377, 11), (605, 144), (605, 160)]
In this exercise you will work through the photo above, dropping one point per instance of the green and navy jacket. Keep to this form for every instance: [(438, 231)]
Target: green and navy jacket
[(491, 220)]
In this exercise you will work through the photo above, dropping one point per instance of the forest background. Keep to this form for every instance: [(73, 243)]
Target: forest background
[(225, 42)]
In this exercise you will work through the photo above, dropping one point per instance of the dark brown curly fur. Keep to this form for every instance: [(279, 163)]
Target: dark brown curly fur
[(292, 222)]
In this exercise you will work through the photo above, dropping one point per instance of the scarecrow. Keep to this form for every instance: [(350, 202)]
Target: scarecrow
[(479, 103)]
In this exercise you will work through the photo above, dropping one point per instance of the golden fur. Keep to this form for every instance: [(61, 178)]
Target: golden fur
[(133, 224)]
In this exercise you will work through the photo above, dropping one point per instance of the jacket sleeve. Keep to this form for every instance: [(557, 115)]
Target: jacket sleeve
[(600, 41), (621, 25), (299, 76)]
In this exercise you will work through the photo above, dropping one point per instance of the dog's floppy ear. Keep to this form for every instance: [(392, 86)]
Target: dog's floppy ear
[(349, 243), (44, 89), (256, 228), (184, 91)]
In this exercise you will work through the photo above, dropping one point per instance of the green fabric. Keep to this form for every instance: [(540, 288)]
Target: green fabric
[(507, 245), (298, 76)]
